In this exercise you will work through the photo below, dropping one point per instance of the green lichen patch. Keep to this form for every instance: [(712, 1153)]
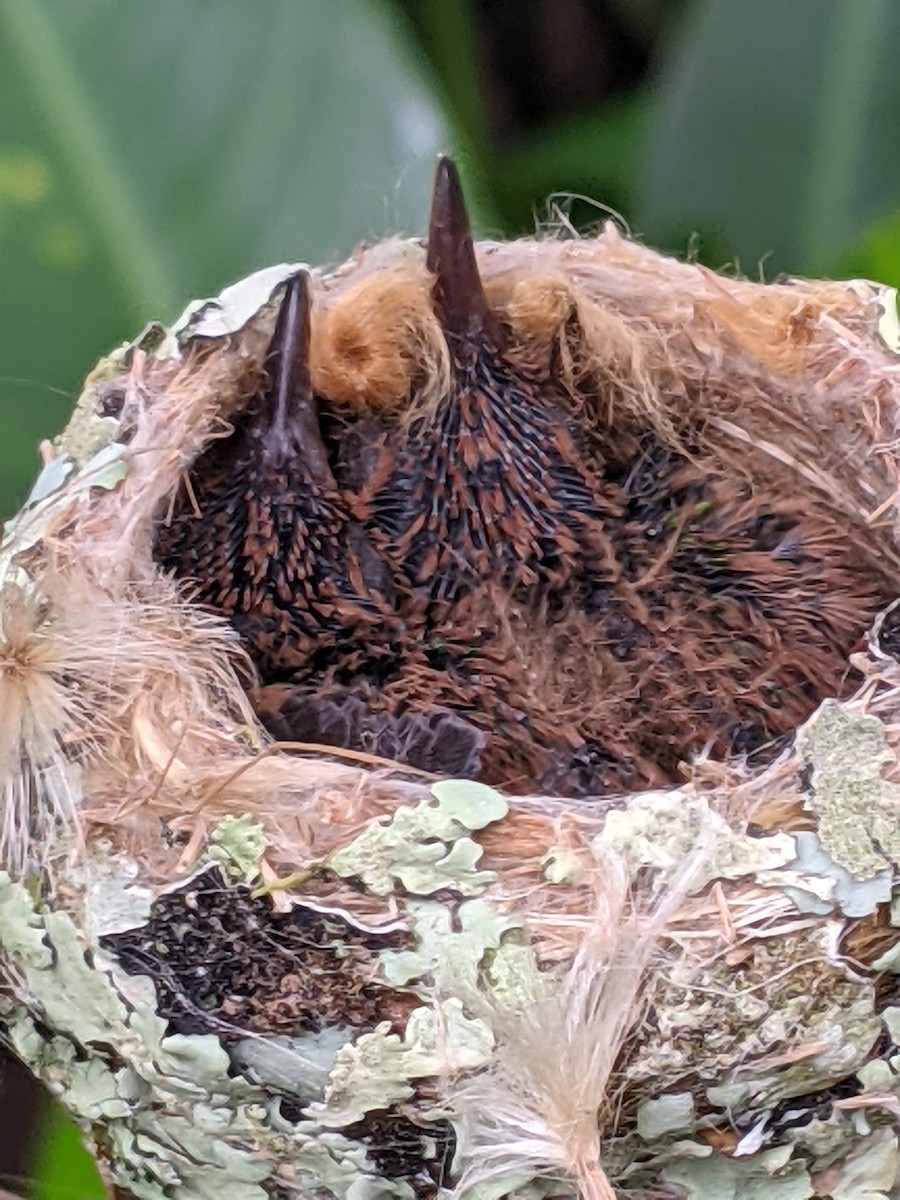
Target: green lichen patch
[(889, 321), (665, 1115), (91, 427), (878, 1075), (324, 1161), (819, 886), (561, 864), (231, 310), (663, 829), (379, 1068), (416, 1152), (513, 976), (237, 844), (82, 1064), (299, 1066), (871, 1170), (112, 897), (765, 1176), (716, 1024), (891, 1018), (61, 480), (450, 946), (168, 1114), (856, 808), (426, 848)]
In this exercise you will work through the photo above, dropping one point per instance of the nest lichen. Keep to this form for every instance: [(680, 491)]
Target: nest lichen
[(687, 987)]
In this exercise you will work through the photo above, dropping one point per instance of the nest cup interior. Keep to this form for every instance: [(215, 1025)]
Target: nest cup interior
[(560, 517)]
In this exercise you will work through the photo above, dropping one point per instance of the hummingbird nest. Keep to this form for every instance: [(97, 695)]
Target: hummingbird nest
[(450, 727)]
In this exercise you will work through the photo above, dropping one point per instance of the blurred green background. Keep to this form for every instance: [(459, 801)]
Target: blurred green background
[(151, 153)]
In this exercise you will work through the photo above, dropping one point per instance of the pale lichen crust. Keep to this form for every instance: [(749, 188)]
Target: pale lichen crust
[(174, 1119), (856, 808), (428, 847)]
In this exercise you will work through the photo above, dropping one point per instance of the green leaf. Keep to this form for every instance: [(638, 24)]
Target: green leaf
[(774, 128), (877, 253), (63, 1169), (594, 155), (151, 153)]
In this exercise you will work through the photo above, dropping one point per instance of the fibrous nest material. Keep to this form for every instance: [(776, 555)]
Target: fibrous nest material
[(563, 574)]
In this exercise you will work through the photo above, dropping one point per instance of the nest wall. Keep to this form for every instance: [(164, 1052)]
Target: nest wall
[(130, 746), (789, 384)]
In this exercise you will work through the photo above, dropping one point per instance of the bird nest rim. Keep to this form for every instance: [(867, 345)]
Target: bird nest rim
[(809, 361)]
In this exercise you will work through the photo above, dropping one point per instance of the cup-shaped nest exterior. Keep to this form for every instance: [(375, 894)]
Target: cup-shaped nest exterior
[(608, 540)]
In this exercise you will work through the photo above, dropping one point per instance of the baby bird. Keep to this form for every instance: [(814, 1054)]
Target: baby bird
[(270, 542), (490, 487), (498, 587), (267, 539)]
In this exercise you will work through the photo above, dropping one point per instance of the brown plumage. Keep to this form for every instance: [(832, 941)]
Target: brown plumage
[(271, 542), (268, 539), (489, 487), (495, 586)]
